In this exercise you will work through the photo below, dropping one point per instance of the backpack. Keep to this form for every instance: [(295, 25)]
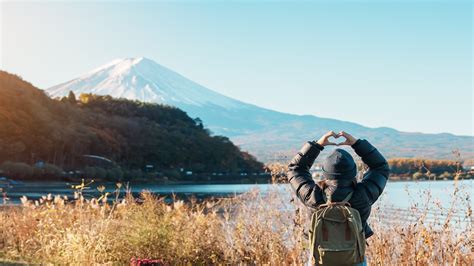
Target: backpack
[(336, 234)]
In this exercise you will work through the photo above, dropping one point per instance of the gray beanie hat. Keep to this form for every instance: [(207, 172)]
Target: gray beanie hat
[(339, 165)]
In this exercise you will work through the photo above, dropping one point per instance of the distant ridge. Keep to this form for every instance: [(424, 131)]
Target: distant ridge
[(268, 134)]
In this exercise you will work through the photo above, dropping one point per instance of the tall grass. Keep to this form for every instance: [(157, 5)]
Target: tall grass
[(254, 228)]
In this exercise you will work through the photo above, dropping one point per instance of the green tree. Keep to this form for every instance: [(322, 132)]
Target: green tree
[(71, 97)]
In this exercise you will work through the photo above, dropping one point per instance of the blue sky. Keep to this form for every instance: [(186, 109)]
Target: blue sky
[(401, 64)]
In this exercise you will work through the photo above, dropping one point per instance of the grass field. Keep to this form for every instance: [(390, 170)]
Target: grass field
[(252, 228)]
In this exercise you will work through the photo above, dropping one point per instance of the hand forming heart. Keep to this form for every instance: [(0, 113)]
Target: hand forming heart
[(350, 140), (332, 140), (324, 140)]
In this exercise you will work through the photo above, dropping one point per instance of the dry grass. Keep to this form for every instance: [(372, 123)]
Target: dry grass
[(253, 228)]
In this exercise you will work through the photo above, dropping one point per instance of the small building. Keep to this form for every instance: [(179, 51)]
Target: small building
[(149, 168)]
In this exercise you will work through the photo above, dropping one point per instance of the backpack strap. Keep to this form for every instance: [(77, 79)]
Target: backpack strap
[(348, 197), (344, 202), (326, 199)]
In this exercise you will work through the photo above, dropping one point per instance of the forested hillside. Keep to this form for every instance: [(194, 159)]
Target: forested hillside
[(133, 134)]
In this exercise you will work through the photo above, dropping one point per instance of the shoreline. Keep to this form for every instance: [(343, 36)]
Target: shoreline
[(206, 182)]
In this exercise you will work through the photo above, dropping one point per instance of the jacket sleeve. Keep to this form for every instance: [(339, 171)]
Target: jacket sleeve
[(300, 178), (376, 177)]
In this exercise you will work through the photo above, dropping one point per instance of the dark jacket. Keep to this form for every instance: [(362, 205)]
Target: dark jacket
[(365, 193)]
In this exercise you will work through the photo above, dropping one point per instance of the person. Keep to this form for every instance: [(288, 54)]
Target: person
[(339, 173)]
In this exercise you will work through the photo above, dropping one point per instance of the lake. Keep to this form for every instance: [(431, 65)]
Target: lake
[(397, 194)]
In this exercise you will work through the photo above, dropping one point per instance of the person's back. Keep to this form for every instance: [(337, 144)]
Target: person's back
[(339, 172)]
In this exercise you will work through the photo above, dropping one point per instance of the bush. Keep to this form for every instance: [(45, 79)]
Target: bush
[(89, 172), (100, 173), (460, 176), (134, 174), (52, 169), (419, 176), (446, 176), (115, 174), (171, 174), (49, 170), (17, 170)]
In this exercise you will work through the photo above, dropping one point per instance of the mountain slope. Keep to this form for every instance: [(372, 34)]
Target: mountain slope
[(268, 134), (36, 128), (144, 80)]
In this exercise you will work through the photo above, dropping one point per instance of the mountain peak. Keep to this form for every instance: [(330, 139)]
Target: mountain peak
[(145, 80), (135, 60), (123, 63)]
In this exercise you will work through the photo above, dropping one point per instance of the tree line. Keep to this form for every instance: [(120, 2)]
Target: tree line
[(418, 168), (133, 134)]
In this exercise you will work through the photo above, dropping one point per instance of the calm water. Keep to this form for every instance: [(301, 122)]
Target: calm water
[(397, 194)]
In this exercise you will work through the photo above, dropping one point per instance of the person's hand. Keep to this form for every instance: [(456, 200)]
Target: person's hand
[(324, 140), (350, 140)]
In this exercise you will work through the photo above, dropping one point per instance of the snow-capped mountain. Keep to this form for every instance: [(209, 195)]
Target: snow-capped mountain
[(144, 80), (268, 134)]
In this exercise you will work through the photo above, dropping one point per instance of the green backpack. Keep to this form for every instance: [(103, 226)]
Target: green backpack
[(336, 234)]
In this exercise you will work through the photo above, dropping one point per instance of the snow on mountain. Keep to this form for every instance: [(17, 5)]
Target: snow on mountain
[(144, 80), (265, 133)]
